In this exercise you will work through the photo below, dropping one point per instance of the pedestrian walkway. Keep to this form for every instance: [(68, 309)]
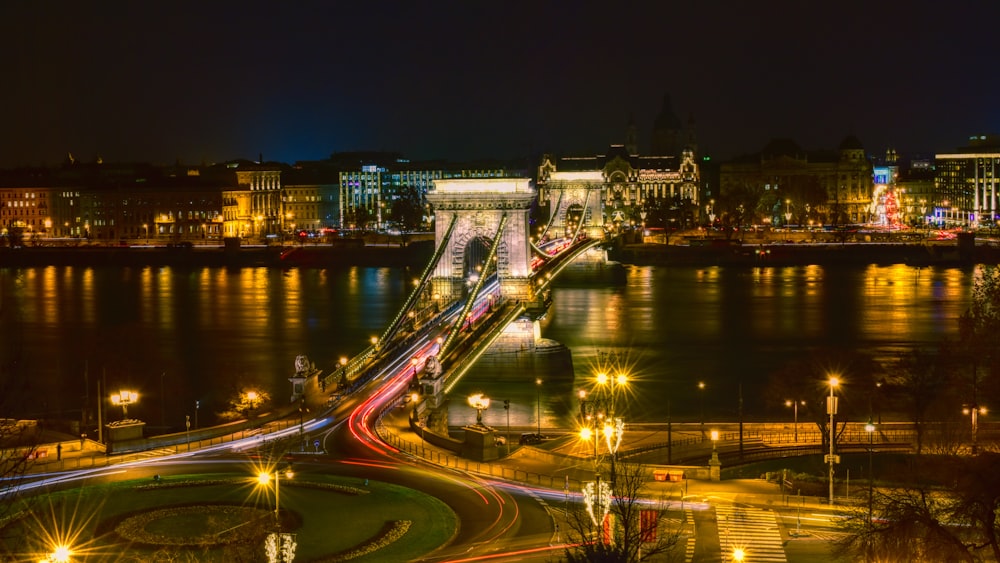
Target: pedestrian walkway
[(753, 530)]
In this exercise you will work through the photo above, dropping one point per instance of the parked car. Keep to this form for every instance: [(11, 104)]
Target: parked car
[(528, 439)]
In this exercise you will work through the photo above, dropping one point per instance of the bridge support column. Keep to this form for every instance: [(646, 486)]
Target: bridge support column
[(516, 288), (446, 290), (519, 336)]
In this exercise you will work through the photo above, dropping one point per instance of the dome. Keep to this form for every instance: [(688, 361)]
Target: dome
[(851, 143)]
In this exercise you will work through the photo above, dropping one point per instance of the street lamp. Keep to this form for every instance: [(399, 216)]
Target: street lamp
[(795, 407), (60, 554), (538, 406), (145, 227), (124, 399), (831, 408), (701, 406), (975, 410), (479, 402), (264, 478), (870, 429)]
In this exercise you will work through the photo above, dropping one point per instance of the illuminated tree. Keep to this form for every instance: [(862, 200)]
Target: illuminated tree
[(633, 530)]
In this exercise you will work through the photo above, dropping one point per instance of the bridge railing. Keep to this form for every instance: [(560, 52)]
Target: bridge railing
[(444, 459)]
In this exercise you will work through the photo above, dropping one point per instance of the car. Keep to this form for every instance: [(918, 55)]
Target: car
[(528, 439)]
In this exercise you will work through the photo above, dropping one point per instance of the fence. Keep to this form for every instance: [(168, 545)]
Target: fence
[(91, 454)]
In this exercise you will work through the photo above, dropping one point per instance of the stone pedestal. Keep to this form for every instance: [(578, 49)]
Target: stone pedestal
[(480, 443), (124, 434), (298, 387)]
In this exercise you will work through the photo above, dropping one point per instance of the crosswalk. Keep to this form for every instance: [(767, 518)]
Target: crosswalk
[(689, 543), (753, 530)]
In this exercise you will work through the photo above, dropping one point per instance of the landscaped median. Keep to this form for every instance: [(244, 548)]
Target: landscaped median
[(228, 518)]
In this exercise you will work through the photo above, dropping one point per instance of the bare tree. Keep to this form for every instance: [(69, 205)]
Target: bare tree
[(18, 440), (947, 511), (634, 529), (923, 379)]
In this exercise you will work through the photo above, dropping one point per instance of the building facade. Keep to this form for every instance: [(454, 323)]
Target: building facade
[(388, 192), (785, 185), (637, 191), (966, 187)]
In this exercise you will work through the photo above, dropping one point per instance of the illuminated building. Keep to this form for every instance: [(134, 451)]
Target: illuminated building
[(264, 184), (965, 183), (812, 187), (374, 193), (660, 189)]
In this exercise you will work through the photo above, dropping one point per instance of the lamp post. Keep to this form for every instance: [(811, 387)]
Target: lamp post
[(870, 429), (831, 408), (264, 477), (795, 408), (538, 406), (124, 399), (974, 410), (506, 407), (60, 554), (479, 402), (701, 406), (251, 402)]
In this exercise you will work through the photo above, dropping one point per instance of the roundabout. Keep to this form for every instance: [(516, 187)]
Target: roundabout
[(228, 518)]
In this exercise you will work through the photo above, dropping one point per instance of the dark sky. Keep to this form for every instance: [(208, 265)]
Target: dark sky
[(213, 80)]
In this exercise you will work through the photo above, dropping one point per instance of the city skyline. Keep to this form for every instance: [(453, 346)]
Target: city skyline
[(197, 83)]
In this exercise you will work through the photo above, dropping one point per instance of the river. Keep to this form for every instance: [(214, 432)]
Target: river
[(200, 335)]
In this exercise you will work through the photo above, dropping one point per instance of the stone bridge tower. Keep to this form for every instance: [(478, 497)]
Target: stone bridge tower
[(480, 206)]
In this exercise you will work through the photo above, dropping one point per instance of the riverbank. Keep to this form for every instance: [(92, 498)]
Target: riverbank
[(825, 254), (417, 254), (313, 256)]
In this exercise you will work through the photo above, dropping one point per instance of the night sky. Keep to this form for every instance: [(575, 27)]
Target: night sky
[(208, 81)]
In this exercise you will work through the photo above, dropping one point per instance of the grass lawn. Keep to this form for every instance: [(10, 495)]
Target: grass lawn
[(224, 517)]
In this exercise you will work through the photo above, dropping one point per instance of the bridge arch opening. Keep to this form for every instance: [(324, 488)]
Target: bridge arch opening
[(474, 256), (574, 214)]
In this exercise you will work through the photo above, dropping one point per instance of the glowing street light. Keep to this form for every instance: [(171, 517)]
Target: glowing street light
[(795, 407), (124, 399), (479, 402), (264, 479), (60, 554), (831, 408), (974, 411)]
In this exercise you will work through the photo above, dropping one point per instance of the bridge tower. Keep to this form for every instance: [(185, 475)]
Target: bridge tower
[(480, 204), (576, 196)]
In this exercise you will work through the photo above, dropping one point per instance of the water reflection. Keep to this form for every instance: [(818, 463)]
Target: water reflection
[(181, 335)]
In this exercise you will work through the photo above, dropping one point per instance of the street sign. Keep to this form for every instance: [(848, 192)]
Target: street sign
[(836, 458)]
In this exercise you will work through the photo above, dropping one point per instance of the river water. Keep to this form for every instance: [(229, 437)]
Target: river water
[(181, 336)]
